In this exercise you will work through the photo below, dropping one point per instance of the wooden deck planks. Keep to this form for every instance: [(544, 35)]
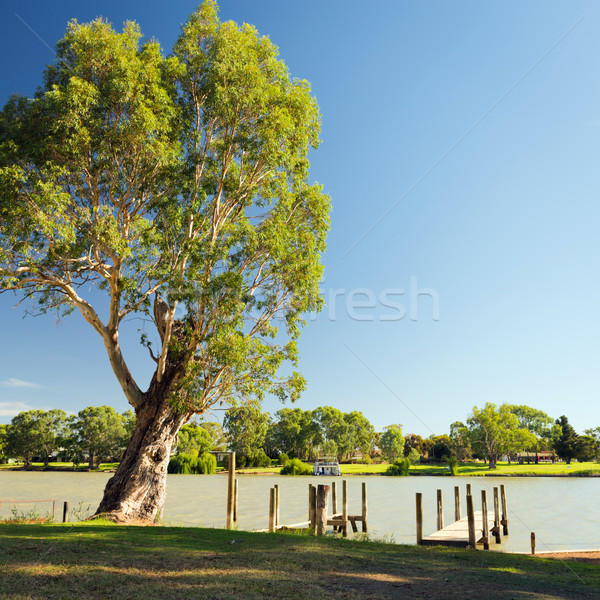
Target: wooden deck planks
[(457, 534)]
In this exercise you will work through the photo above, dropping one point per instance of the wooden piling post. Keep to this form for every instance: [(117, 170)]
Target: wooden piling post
[(486, 528), (457, 516), (235, 501), (504, 511), (440, 511), (230, 490), (471, 522), (419, 518), (468, 489), (364, 508), (497, 533), (532, 542), (65, 512), (322, 505), (312, 505), (271, 510), (334, 498), (345, 507), (276, 486)]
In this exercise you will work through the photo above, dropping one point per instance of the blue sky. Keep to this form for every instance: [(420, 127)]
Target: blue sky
[(461, 144)]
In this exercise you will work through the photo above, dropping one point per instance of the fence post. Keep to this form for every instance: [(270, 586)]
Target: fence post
[(65, 512), (312, 501), (276, 486), (334, 498), (440, 511)]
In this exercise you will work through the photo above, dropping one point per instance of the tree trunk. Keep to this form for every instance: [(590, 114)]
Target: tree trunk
[(138, 489)]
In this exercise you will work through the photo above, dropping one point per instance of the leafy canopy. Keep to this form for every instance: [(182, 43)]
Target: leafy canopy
[(179, 188)]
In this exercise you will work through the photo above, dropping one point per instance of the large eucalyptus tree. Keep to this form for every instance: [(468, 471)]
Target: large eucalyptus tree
[(179, 188)]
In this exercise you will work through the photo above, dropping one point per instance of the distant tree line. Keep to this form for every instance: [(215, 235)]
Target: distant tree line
[(98, 434)]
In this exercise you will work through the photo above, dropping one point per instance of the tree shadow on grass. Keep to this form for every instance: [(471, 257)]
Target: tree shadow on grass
[(162, 562)]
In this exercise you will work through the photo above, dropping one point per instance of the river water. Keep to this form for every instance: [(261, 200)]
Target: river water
[(563, 512)]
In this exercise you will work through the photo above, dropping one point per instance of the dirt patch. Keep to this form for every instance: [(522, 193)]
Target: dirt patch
[(592, 557)]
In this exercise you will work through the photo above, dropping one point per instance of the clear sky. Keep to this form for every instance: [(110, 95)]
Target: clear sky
[(461, 150)]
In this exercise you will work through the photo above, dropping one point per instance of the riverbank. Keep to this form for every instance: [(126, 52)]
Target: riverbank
[(103, 561), (472, 469)]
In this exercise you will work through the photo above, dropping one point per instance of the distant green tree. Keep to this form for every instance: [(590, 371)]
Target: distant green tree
[(391, 442), (335, 428), (3, 457), (216, 432), (295, 432), (461, 442), (566, 443), (443, 447), (587, 448), (362, 432), (193, 440), (36, 433), (413, 441), (99, 432), (246, 429), (532, 419)]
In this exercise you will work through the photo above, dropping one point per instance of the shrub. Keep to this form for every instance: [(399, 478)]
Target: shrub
[(296, 467), (187, 464), (399, 468), (283, 458), (414, 457), (365, 460), (452, 465)]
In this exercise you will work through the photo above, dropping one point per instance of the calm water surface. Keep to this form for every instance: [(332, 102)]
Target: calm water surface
[(563, 512)]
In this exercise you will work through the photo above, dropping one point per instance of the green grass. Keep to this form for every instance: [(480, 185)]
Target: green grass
[(62, 466), (102, 561)]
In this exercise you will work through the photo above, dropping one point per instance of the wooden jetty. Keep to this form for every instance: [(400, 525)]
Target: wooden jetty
[(318, 503), (466, 532)]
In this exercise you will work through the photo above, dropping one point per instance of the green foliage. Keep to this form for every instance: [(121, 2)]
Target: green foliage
[(566, 443), (413, 456), (452, 462), (99, 432), (246, 429), (391, 442), (283, 458), (399, 468), (188, 464), (193, 439), (296, 467), (366, 460)]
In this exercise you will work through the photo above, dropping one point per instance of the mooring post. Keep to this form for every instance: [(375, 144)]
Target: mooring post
[(484, 516), (440, 511), (312, 505), (276, 486), (235, 501), (271, 510), (457, 516), (471, 522), (230, 490), (365, 515), (334, 497), (497, 533), (322, 505), (468, 489), (504, 511), (53, 509), (532, 542), (419, 518), (345, 507), (65, 512)]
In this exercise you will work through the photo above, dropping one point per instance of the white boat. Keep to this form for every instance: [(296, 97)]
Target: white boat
[(326, 465)]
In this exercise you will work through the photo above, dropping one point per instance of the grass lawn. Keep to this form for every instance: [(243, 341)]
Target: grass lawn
[(63, 466), (106, 561)]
